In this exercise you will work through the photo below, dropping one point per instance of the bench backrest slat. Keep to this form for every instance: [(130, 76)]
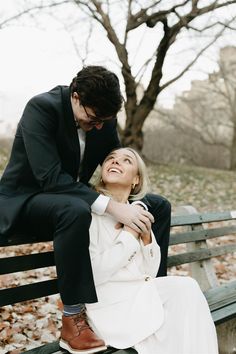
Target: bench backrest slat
[(22, 240), (27, 262), (28, 292), (199, 235), (199, 218), (200, 254)]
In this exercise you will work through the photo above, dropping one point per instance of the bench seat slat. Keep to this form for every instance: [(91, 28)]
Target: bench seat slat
[(222, 295), (200, 254), (224, 314), (200, 235), (46, 349), (28, 292), (54, 348), (27, 262)]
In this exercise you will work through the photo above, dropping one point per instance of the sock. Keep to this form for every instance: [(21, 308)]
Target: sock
[(70, 310)]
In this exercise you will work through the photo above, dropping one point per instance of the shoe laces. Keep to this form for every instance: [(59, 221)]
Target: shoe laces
[(80, 320)]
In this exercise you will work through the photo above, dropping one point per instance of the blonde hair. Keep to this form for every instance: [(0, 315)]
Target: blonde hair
[(140, 189)]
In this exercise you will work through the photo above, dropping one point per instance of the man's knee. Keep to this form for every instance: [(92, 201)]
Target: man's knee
[(166, 206), (159, 204), (71, 230), (74, 210)]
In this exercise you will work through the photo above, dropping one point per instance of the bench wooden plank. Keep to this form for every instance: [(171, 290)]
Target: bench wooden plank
[(201, 235), (199, 218), (176, 220), (47, 349), (28, 292), (224, 314), (27, 262), (199, 255), (15, 240), (55, 348), (221, 296)]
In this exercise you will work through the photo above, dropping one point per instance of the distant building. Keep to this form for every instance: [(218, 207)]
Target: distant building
[(200, 125)]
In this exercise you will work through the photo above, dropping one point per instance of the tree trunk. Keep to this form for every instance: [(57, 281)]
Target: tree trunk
[(133, 137), (233, 151)]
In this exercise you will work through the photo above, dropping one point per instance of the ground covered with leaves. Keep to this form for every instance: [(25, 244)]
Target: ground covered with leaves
[(29, 324)]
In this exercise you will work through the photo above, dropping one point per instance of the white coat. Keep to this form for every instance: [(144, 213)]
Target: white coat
[(129, 308)]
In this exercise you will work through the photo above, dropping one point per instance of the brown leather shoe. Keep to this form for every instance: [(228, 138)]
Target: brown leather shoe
[(78, 337)]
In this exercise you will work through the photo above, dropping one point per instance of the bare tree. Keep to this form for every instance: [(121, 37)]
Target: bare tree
[(171, 19), (224, 87)]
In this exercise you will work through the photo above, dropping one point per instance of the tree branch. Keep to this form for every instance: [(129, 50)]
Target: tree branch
[(28, 11), (151, 20), (195, 12), (193, 61)]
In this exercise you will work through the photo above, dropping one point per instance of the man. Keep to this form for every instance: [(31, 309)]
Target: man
[(61, 138)]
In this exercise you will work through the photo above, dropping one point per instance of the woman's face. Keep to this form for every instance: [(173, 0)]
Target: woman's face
[(121, 168)]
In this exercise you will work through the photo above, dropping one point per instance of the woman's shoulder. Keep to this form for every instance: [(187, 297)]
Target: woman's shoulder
[(103, 221), (104, 218)]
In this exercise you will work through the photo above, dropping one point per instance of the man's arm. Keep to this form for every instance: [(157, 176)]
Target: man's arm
[(38, 126), (131, 215)]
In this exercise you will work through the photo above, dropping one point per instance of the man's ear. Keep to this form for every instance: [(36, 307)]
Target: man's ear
[(76, 95)]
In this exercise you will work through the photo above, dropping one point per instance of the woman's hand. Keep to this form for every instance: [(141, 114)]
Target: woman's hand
[(132, 231), (146, 238)]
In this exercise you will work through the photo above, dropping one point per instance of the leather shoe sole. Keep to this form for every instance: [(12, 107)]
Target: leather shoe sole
[(67, 347)]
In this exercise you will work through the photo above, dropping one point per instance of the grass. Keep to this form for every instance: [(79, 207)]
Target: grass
[(204, 188)]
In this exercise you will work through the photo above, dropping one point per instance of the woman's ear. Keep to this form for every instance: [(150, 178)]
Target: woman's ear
[(136, 180)]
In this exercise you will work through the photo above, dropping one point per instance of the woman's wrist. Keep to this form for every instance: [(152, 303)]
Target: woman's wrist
[(147, 239)]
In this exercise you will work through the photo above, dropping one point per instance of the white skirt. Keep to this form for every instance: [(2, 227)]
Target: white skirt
[(188, 327)]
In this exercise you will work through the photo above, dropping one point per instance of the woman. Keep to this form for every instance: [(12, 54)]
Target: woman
[(167, 315)]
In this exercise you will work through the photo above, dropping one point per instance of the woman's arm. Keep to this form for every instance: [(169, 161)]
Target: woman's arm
[(151, 256)]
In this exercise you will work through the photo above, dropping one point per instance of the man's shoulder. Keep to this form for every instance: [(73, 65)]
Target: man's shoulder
[(52, 95), (50, 101)]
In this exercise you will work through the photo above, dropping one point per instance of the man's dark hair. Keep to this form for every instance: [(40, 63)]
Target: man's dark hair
[(99, 89)]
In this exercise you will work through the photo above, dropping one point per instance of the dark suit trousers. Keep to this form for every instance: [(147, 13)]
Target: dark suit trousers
[(67, 220), (160, 208)]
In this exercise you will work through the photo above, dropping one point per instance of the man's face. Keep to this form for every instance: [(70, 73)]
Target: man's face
[(85, 116)]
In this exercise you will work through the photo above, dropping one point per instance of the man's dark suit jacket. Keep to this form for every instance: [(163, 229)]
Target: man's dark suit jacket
[(45, 156)]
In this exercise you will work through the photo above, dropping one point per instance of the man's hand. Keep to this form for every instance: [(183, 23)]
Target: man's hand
[(133, 216)]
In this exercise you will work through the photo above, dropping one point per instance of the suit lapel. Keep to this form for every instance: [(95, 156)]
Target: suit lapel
[(72, 133)]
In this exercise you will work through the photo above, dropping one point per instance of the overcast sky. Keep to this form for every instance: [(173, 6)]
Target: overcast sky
[(34, 60)]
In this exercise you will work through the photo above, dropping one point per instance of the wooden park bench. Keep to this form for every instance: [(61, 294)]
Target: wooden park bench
[(190, 228)]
